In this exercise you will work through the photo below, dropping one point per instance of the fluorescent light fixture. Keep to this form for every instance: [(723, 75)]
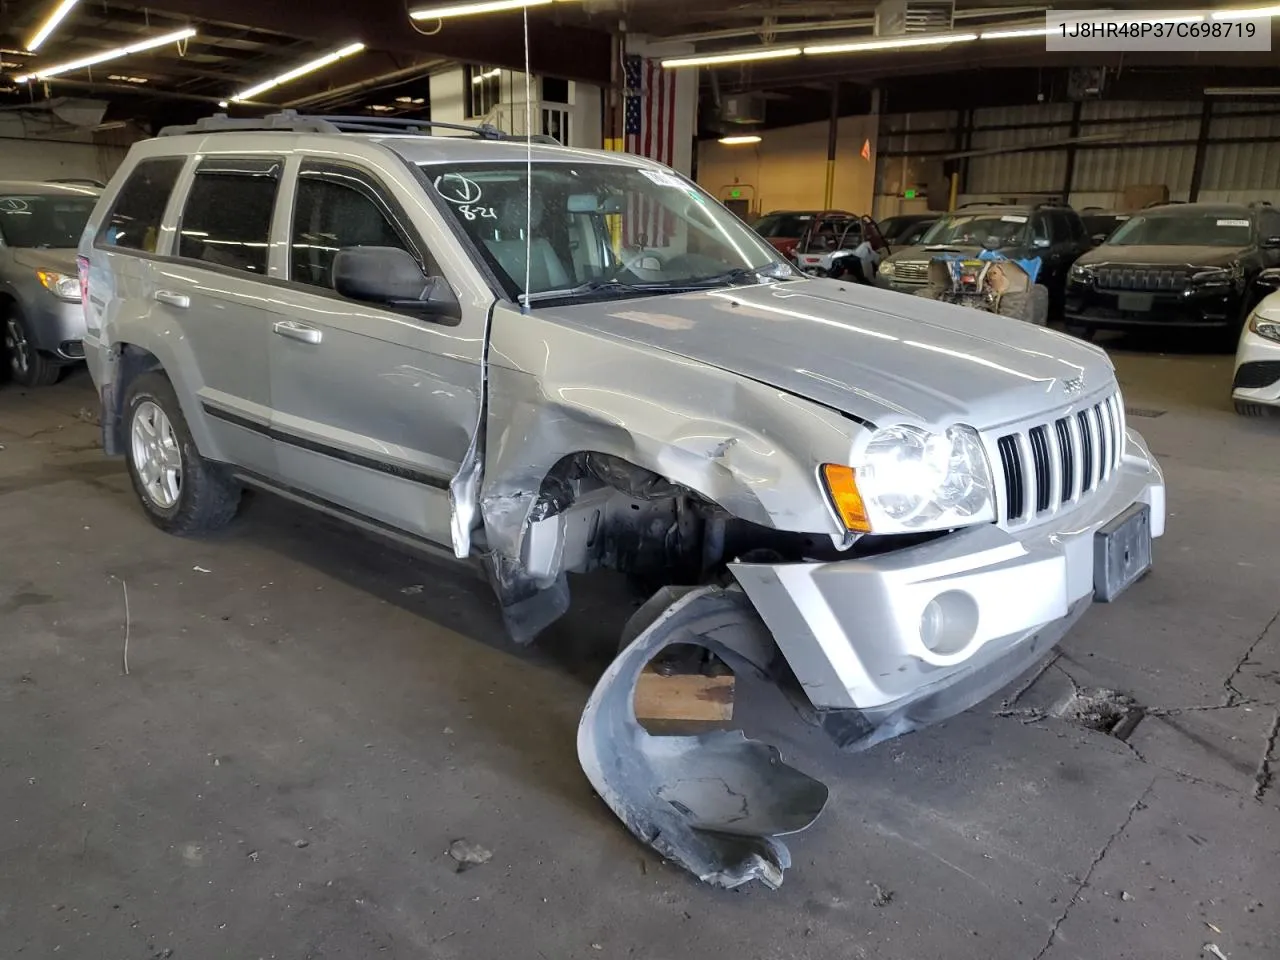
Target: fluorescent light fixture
[(1242, 91), (308, 67), (472, 9), (736, 141), (1247, 13), (53, 20), (1012, 32), (896, 43), (223, 104), (742, 56), (40, 73)]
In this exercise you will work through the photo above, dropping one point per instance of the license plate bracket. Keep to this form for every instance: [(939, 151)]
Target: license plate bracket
[(1121, 552), (1135, 302)]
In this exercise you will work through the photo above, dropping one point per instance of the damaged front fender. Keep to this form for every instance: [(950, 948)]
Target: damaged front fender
[(716, 803)]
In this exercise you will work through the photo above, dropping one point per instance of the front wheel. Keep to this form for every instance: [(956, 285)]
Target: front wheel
[(26, 365), (181, 492), (1246, 409)]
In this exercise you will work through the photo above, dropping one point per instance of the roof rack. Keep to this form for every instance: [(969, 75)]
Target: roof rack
[(290, 121), (1033, 204)]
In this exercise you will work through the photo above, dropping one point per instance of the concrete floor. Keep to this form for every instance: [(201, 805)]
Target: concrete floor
[(310, 718)]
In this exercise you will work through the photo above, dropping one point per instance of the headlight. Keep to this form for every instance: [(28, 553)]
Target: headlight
[(910, 479), (1081, 273), (60, 285), (887, 269), (1264, 326), (1215, 276)]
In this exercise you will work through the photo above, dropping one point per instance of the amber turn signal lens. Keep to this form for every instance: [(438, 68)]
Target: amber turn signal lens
[(842, 487)]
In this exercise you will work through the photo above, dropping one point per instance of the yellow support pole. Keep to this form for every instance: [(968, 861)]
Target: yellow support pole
[(955, 189)]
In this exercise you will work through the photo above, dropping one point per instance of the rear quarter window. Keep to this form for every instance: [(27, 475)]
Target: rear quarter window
[(136, 215)]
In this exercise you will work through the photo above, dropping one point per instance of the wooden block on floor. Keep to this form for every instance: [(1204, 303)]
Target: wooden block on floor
[(683, 696)]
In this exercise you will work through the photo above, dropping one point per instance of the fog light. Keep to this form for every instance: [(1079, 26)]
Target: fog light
[(948, 623)]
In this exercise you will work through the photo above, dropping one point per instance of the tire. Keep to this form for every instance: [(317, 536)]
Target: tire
[(1247, 409), (199, 496), (23, 363)]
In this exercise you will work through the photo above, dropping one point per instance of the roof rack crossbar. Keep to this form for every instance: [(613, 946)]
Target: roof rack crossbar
[(293, 122)]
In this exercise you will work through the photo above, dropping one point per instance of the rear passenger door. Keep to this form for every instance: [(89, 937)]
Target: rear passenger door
[(373, 410), (213, 294)]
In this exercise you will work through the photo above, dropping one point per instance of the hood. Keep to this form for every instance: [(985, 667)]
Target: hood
[(1164, 255), (61, 261), (873, 354)]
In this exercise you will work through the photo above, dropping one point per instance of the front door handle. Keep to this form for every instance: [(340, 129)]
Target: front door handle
[(297, 331), (179, 300)]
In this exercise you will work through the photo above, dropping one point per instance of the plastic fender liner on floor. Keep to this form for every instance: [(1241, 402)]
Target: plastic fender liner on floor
[(714, 803)]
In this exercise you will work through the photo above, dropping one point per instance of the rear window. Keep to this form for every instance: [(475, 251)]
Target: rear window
[(784, 225), (135, 217), (44, 220)]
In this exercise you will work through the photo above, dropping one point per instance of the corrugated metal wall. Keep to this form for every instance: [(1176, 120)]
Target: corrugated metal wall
[(1110, 157)]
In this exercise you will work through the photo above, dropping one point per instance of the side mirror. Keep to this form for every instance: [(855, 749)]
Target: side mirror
[(391, 277), (1098, 239)]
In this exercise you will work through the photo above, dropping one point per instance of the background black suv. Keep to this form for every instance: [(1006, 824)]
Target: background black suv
[(1186, 265), (1051, 231)]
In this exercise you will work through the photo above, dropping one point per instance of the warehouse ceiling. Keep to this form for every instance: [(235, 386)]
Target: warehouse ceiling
[(239, 43)]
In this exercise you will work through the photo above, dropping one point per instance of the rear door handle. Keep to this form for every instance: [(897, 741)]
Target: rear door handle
[(180, 300), (297, 331)]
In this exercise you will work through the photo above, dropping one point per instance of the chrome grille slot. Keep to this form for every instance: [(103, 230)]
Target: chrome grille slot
[(1039, 437), (1086, 444), (1066, 457), (1048, 466), (1013, 479)]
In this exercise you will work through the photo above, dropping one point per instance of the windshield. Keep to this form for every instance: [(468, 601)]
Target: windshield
[(44, 219), (975, 229), (783, 225), (597, 224), (1184, 229)]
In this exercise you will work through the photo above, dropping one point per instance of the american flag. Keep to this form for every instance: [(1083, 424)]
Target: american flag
[(649, 127)]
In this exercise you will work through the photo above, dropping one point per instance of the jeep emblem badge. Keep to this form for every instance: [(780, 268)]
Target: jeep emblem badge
[(1072, 386)]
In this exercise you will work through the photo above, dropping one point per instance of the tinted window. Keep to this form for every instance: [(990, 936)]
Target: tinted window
[(44, 220), (1039, 229), (1270, 224), (338, 207), (785, 225), (227, 217), (134, 221)]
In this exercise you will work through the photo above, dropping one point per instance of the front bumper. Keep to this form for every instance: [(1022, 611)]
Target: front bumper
[(1196, 308), (1257, 373), (851, 629), (56, 326)]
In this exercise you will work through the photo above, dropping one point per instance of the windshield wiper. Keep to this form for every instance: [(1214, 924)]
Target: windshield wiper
[(592, 287), (737, 277)]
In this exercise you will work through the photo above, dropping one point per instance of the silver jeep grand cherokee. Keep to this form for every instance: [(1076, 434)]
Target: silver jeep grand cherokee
[(550, 360)]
